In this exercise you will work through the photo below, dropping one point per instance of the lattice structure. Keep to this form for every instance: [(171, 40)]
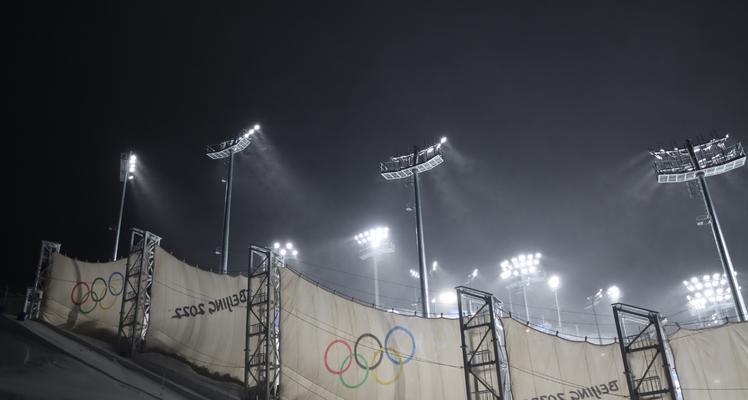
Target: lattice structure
[(136, 297), (262, 353), (647, 360), (34, 297), (483, 348)]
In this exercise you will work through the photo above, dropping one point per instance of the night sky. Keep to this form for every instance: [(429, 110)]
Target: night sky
[(549, 107)]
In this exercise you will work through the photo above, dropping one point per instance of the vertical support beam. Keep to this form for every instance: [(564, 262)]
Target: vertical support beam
[(34, 298), (227, 215), (649, 340), (425, 305), (724, 254), (133, 324), (482, 351), (262, 353), (124, 158)]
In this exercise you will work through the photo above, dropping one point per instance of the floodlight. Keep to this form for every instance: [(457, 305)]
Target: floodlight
[(448, 297), (554, 282), (613, 293), (127, 164), (276, 245), (711, 291), (433, 266), (414, 274)]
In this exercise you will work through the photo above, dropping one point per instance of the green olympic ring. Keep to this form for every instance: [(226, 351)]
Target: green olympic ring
[(359, 357)]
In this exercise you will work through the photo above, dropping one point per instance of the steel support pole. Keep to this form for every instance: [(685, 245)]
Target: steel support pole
[(121, 209), (227, 216), (719, 239), (376, 280), (527, 308), (425, 306), (558, 309)]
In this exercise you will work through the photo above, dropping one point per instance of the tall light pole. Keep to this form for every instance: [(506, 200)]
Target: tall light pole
[(127, 164), (373, 243), (613, 293), (695, 163), (227, 149), (555, 282), (402, 167), (522, 271)]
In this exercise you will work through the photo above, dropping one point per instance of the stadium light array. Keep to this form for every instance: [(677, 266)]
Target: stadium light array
[(287, 251), (708, 291), (520, 272)]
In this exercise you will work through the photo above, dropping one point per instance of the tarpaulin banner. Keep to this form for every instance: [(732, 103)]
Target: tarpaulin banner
[(545, 367), (336, 348), (82, 296), (712, 363), (198, 315)]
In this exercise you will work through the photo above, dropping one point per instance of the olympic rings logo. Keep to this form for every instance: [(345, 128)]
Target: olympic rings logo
[(397, 358), (88, 297)]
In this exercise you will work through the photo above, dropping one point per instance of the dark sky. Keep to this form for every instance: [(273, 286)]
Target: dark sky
[(549, 108)]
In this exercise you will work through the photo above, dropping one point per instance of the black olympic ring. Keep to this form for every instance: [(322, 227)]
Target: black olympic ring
[(380, 349)]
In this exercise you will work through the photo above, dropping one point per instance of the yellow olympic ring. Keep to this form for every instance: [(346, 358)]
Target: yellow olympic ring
[(399, 367)]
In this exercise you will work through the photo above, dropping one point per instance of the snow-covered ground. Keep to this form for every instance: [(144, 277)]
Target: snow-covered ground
[(37, 362)]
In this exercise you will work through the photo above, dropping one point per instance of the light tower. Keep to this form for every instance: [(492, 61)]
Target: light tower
[(695, 163), (127, 163), (613, 293), (521, 272), (403, 167), (373, 243), (227, 149)]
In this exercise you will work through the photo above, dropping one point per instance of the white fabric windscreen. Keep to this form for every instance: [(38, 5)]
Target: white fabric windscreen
[(543, 366), (335, 348), (84, 297), (198, 315), (712, 364)]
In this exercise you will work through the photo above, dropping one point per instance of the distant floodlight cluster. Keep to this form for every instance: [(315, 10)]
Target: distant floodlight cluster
[(286, 250), (707, 290), (524, 264), (131, 163), (373, 237)]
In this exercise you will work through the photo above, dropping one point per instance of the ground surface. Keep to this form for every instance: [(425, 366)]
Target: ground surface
[(38, 363)]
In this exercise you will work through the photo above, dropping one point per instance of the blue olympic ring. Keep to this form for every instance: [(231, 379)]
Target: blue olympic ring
[(387, 347)]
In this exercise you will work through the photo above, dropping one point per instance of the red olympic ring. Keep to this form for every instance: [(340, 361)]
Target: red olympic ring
[(349, 356)]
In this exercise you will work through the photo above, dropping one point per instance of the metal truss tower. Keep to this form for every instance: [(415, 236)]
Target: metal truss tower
[(483, 348), (647, 360), (136, 297), (34, 298), (262, 353)]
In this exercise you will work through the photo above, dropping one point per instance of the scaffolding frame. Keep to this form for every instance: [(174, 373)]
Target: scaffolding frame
[(136, 295), (483, 349), (36, 294), (262, 344), (649, 342)]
